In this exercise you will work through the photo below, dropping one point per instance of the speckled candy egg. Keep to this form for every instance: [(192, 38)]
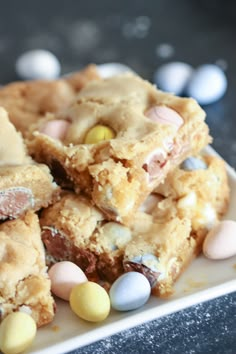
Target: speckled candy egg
[(173, 77), (64, 276), (207, 84), (220, 242), (130, 291), (38, 64)]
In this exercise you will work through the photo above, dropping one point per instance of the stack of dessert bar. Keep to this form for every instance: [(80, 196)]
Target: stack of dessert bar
[(141, 198), (26, 187), (129, 201)]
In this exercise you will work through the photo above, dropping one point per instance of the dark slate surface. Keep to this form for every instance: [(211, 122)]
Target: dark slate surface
[(132, 32)]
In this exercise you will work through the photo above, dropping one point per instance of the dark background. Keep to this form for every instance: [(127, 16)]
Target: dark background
[(131, 32)]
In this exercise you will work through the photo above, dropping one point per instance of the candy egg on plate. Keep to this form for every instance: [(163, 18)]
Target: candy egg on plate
[(64, 276), (173, 77), (130, 291), (220, 242)]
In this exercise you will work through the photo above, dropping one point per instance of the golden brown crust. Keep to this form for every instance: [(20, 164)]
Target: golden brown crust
[(114, 172), (28, 101)]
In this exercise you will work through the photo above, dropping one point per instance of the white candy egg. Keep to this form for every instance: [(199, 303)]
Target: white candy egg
[(173, 77), (220, 242), (64, 276), (207, 84), (38, 64), (112, 69), (130, 291)]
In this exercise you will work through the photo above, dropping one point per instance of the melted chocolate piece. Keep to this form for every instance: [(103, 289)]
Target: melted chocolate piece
[(141, 268)]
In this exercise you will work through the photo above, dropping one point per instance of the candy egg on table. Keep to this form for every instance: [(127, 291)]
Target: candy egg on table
[(90, 302), (207, 84), (111, 69), (130, 291), (220, 242), (173, 77), (38, 64), (64, 276), (17, 332)]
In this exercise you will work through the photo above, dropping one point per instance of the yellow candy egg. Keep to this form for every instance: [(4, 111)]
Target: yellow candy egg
[(17, 332), (99, 133), (90, 301)]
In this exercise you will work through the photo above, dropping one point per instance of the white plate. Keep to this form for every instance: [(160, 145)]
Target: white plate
[(203, 280)]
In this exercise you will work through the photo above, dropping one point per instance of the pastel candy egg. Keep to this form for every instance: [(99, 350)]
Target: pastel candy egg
[(90, 302), (173, 77), (220, 242), (111, 69), (192, 164), (207, 84), (64, 276), (17, 332), (165, 115), (130, 291), (38, 64), (56, 129), (98, 133)]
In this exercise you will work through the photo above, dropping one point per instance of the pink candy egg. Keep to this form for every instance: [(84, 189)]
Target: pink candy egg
[(220, 242), (165, 115), (56, 129), (64, 276)]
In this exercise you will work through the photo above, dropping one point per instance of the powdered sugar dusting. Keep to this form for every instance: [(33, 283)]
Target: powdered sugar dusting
[(181, 332)]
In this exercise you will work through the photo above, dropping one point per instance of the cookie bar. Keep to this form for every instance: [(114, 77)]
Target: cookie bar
[(25, 187), (73, 229), (148, 133), (200, 194), (28, 101), (24, 283)]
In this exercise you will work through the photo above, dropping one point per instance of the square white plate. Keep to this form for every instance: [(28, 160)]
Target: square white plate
[(203, 280)]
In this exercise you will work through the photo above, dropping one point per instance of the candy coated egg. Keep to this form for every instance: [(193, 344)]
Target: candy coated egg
[(207, 84), (130, 291), (38, 64), (173, 77), (165, 115), (220, 242), (111, 69), (56, 129), (99, 133), (17, 332), (90, 301), (192, 164), (64, 276)]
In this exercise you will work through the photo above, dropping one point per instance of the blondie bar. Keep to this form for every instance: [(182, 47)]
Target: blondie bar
[(149, 133), (24, 283)]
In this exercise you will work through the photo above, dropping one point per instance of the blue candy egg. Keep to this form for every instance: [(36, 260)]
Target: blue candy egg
[(130, 291), (192, 164), (173, 77), (207, 84)]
